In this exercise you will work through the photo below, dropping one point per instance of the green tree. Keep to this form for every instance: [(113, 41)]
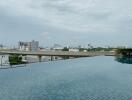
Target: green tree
[(15, 59), (65, 49)]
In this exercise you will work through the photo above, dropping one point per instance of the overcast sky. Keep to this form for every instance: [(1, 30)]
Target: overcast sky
[(66, 22)]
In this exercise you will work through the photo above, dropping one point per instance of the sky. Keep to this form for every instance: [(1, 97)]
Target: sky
[(66, 22)]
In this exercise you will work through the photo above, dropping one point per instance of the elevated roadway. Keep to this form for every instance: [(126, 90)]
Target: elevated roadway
[(58, 53)]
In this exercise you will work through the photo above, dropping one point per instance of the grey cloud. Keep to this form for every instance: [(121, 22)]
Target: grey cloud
[(61, 18), (17, 24)]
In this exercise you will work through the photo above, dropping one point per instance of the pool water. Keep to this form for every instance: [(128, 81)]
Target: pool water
[(92, 78)]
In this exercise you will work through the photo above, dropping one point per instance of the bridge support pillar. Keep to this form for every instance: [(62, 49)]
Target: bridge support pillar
[(52, 58), (40, 58)]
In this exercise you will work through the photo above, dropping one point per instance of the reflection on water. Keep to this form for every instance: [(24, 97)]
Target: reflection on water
[(92, 78), (124, 59)]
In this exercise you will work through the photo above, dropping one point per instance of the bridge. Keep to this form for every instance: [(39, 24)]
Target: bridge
[(58, 53)]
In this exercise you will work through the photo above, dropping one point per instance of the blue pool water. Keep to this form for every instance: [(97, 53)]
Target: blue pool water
[(93, 78)]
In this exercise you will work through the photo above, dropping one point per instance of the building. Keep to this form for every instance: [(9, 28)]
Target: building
[(29, 46), (57, 47), (73, 50), (1, 46), (34, 45), (24, 46), (4, 60)]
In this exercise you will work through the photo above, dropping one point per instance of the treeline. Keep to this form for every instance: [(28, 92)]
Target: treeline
[(97, 49), (15, 59), (91, 49), (124, 52)]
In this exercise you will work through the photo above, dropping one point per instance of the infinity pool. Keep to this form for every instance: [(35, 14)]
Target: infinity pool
[(93, 78)]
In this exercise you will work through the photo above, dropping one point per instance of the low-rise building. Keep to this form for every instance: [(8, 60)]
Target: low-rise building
[(24, 46), (57, 47), (73, 50), (4, 60), (29, 46)]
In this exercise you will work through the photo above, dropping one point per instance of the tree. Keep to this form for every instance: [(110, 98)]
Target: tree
[(65, 49), (15, 59)]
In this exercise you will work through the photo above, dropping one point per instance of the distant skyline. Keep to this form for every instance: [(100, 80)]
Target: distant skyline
[(66, 22)]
